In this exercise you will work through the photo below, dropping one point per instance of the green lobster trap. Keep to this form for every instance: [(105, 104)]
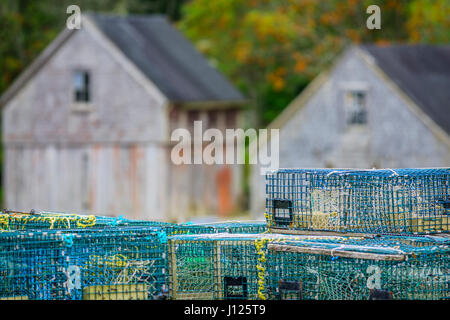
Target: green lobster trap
[(218, 266), (271, 266), (360, 269), (405, 201)]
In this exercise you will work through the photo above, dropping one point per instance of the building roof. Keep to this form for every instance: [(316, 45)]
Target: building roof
[(167, 58), (420, 71), (159, 51)]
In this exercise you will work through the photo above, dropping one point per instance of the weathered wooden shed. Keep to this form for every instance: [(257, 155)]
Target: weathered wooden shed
[(87, 126), (376, 107)]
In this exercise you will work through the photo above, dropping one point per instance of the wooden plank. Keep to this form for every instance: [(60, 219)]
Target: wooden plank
[(116, 292), (337, 252)]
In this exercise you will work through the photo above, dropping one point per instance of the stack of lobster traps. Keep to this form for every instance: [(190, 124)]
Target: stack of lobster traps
[(329, 235), (56, 256)]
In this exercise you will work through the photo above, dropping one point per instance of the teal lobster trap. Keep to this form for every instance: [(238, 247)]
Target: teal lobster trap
[(100, 264), (73, 257), (401, 201), (274, 266), (31, 266)]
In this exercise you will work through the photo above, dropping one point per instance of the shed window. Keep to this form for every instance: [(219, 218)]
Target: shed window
[(81, 83), (355, 105)]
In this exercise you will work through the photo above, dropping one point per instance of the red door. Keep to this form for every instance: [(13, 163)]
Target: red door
[(224, 191)]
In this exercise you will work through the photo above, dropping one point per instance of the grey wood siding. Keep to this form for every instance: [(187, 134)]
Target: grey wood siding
[(122, 110), (114, 160), (110, 180)]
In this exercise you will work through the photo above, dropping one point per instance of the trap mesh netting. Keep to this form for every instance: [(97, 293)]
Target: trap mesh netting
[(408, 201), (225, 266)]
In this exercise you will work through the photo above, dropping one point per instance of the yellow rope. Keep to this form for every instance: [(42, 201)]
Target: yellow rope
[(4, 222), (259, 244), (89, 221), (117, 260), (22, 220), (269, 219)]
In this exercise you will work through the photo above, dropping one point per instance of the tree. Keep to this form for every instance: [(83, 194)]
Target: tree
[(429, 21)]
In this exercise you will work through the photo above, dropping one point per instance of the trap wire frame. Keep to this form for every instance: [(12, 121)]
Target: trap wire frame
[(386, 201), (275, 266)]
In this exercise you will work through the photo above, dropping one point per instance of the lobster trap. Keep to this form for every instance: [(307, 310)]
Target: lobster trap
[(406, 201), (31, 266), (270, 266), (100, 264), (218, 266)]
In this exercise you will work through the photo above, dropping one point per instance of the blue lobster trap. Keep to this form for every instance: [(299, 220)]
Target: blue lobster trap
[(405, 201)]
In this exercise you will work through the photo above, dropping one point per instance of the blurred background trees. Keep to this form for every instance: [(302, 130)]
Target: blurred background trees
[(270, 49)]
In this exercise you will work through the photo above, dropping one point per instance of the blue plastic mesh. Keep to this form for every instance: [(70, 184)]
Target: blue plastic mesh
[(407, 201)]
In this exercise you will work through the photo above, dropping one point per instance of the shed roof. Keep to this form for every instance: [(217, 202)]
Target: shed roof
[(167, 58), (157, 49), (420, 71)]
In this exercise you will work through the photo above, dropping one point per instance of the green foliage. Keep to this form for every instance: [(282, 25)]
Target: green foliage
[(429, 21), (270, 49), (28, 26)]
